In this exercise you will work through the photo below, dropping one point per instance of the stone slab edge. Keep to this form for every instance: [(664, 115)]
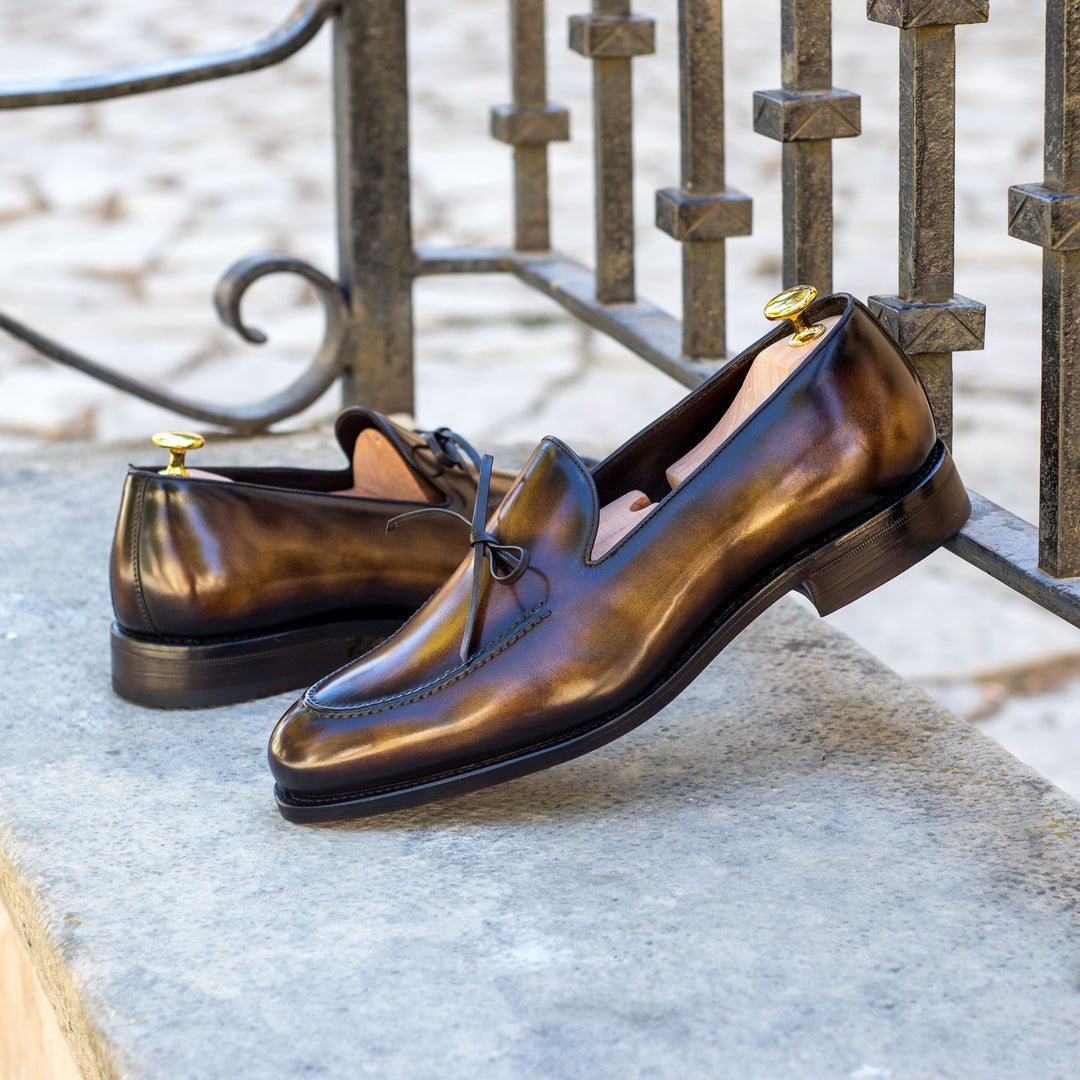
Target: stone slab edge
[(84, 1016), (36, 926)]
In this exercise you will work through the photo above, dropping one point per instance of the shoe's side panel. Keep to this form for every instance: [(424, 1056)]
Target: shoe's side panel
[(199, 559)]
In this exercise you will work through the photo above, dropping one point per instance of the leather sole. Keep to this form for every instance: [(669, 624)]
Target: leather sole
[(833, 571), (193, 675)]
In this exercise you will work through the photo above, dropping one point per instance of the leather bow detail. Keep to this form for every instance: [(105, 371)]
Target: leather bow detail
[(506, 562), (447, 447)]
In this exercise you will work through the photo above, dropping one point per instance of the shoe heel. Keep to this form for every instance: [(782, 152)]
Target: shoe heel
[(172, 675), (895, 538)]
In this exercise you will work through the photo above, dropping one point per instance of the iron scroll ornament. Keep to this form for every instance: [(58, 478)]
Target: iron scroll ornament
[(280, 43), (246, 419)]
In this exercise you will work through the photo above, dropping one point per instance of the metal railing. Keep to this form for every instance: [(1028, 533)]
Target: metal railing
[(368, 341)]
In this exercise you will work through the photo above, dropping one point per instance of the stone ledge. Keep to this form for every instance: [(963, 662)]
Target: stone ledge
[(39, 1050), (803, 866)]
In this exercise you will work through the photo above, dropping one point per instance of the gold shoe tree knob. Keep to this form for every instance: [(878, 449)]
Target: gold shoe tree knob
[(790, 304), (178, 443)]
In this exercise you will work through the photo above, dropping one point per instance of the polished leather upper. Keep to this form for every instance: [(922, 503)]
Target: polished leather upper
[(575, 640), (196, 558)]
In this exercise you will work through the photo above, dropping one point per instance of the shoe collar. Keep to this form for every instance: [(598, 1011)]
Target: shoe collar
[(428, 453)]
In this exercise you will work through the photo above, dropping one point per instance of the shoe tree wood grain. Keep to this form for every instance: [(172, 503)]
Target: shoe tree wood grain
[(379, 472), (378, 469), (769, 369)]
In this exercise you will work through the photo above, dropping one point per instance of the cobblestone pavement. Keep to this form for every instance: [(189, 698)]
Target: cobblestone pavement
[(118, 218)]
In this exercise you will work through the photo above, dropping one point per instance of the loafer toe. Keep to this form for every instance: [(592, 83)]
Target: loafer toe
[(300, 755)]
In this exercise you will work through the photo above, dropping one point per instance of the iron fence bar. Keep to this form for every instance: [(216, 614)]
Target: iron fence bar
[(305, 390), (352, 346), (702, 212), (529, 124), (925, 317), (995, 540), (1007, 548), (279, 44), (805, 115), (806, 65), (1048, 214), (462, 259), (641, 326), (375, 256), (369, 315), (927, 163), (610, 36)]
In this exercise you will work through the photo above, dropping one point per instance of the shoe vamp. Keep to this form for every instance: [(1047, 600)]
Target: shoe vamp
[(593, 642), (549, 514)]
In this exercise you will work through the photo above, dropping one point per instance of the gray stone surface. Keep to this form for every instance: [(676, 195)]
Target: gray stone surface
[(803, 867)]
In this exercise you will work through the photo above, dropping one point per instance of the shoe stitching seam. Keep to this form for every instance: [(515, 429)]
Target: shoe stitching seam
[(870, 541), (438, 679), (426, 690), (316, 687), (136, 574), (876, 538), (355, 620), (303, 800)]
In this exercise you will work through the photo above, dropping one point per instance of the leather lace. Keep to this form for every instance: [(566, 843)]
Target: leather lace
[(506, 562), (447, 448)]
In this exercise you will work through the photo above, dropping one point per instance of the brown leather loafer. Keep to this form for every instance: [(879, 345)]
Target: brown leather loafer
[(233, 583), (538, 648)]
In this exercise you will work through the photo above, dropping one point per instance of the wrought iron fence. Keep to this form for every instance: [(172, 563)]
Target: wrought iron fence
[(368, 339)]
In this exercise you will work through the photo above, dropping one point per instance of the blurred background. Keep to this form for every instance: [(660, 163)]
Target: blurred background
[(117, 219)]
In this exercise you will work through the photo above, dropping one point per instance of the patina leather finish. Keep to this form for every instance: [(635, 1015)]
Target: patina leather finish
[(195, 558), (198, 561), (574, 644)]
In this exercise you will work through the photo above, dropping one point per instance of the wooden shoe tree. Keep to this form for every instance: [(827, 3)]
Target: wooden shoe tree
[(617, 518), (378, 469), (769, 369), (380, 473)]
